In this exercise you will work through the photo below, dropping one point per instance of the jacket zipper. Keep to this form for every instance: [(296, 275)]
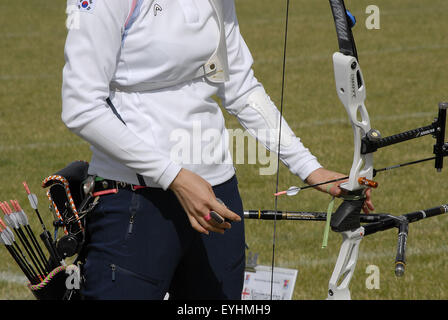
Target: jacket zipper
[(131, 224), (113, 267)]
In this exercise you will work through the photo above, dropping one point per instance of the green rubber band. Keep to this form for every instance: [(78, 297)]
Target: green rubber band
[(327, 224)]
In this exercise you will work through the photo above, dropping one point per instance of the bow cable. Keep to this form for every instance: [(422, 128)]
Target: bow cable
[(279, 142)]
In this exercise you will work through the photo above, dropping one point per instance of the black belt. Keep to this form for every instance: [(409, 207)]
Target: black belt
[(106, 186)]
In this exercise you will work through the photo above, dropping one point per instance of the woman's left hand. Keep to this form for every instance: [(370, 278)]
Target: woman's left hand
[(321, 175)]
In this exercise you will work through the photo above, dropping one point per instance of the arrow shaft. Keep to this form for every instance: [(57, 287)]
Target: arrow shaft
[(38, 248), (29, 250), (21, 256), (22, 264)]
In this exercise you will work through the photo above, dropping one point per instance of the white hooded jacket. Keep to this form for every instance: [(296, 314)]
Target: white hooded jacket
[(140, 77)]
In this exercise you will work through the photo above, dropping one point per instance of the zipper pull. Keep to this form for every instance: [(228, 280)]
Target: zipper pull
[(131, 224), (112, 266)]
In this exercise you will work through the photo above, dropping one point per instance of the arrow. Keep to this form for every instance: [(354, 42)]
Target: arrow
[(292, 191), (45, 236), (14, 223), (19, 211), (7, 239), (33, 202)]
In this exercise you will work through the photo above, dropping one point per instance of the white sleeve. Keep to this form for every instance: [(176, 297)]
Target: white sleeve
[(91, 53), (261, 118), (245, 97)]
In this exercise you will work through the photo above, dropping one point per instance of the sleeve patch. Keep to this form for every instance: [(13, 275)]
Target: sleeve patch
[(86, 5)]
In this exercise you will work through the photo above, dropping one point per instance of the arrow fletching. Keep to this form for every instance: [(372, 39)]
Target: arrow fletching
[(31, 196), (33, 200), (292, 191)]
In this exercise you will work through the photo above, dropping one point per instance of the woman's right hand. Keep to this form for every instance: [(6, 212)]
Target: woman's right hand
[(198, 199)]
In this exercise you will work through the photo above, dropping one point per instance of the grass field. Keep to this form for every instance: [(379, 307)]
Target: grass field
[(405, 66)]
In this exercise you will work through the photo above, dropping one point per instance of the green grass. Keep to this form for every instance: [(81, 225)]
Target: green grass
[(404, 65)]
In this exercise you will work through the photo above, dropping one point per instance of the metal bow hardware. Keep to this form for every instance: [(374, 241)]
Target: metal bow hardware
[(348, 254), (347, 219)]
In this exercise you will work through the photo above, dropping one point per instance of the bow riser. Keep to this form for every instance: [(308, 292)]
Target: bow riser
[(338, 288), (352, 93)]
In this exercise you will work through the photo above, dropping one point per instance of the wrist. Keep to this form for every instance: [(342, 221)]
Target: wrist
[(177, 181)]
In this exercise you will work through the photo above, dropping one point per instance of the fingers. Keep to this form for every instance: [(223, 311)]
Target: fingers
[(206, 223), (198, 199), (215, 220), (367, 207), (212, 218), (218, 228), (221, 209), (334, 190), (204, 226), (368, 204), (196, 225)]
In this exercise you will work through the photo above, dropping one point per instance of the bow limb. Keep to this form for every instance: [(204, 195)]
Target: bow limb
[(351, 91)]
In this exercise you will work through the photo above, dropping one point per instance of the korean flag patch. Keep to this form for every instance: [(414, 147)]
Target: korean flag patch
[(86, 5)]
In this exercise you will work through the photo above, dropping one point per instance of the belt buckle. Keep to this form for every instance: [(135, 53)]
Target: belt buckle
[(122, 184), (108, 189)]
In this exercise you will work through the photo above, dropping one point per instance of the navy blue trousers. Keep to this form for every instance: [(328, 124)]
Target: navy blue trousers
[(141, 246)]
